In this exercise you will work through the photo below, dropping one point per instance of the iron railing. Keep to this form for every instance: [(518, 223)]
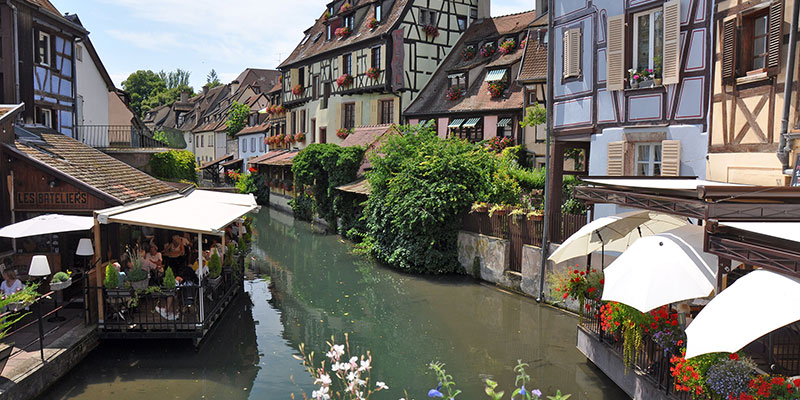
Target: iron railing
[(125, 136)]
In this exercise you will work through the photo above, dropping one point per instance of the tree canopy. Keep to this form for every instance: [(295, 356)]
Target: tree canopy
[(237, 118), (212, 79), (149, 89)]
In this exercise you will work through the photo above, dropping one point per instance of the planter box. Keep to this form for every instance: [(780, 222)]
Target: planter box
[(60, 285), (118, 292), (139, 285), (215, 282), (16, 306)]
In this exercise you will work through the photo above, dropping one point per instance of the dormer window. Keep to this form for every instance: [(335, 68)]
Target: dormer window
[(458, 80), (348, 21)]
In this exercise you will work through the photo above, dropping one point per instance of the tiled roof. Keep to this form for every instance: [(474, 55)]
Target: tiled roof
[(360, 186), (365, 136), (315, 43), (93, 167), (260, 128), (432, 101), (217, 161), (285, 158), (232, 163), (265, 156), (534, 63)]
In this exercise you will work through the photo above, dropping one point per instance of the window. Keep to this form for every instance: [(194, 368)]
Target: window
[(181, 118), (326, 93), (301, 76), (302, 121), (376, 58), (473, 13), (294, 123), (458, 79), (462, 23), (648, 159), (244, 145), (315, 87), (79, 52), (348, 115), (44, 117), (348, 21), (328, 32), (387, 111), (571, 56), (261, 144), (43, 49), (252, 145), (648, 38), (428, 17), (347, 64), (378, 12), (531, 97)]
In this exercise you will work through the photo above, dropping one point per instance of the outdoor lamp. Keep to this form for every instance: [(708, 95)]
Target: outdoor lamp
[(85, 248), (39, 266)]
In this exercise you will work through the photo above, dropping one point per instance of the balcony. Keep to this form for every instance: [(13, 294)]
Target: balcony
[(117, 136)]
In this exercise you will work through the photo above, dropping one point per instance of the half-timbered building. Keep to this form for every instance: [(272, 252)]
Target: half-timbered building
[(474, 94), (363, 62), (751, 49), (630, 86)]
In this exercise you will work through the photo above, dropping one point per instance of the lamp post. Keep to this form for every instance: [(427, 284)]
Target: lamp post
[(40, 268)]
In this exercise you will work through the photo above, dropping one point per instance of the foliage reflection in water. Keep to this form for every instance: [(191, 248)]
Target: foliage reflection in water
[(317, 290)]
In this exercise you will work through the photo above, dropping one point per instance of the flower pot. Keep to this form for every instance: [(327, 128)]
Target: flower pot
[(5, 354), (139, 285), (634, 85), (60, 285), (535, 217), (646, 83), (657, 81), (16, 306)]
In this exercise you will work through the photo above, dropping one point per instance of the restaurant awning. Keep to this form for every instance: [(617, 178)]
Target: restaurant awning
[(360, 186), (504, 123), (232, 163), (47, 224), (471, 123), (201, 211), (456, 123), (756, 304), (661, 269), (495, 75), (781, 230)]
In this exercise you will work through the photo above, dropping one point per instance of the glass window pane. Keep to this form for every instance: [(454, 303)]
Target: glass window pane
[(656, 169), (641, 169), (760, 26), (657, 153), (644, 152), (643, 41), (658, 35), (758, 62), (760, 46)]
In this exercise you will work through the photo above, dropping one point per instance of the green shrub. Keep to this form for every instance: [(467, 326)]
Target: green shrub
[(302, 206), (174, 165), (111, 281), (59, 277), (262, 189), (169, 279), (136, 274), (214, 265)]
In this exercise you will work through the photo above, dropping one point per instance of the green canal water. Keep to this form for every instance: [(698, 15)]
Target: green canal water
[(306, 287)]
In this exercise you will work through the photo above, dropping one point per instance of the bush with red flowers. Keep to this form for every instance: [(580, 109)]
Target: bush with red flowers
[(496, 89), (343, 32), (431, 30), (373, 73), (454, 93), (488, 49), (252, 170), (498, 143), (579, 284), (523, 43), (344, 81), (468, 53), (297, 90), (507, 46), (343, 132), (300, 137), (372, 24)]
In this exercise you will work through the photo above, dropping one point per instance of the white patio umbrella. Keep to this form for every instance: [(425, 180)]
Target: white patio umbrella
[(614, 233), (756, 304), (662, 269), (47, 224)]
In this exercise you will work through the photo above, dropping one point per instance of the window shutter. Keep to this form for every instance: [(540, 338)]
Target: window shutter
[(359, 106), (567, 52), (338, 124), (396, 106), (615, 52), (671, 62), (729, 34), (616, 159), (572, 53), (383, 57), (775, 40), (341, 65), (294, 73), (373, 112), (670, 158)]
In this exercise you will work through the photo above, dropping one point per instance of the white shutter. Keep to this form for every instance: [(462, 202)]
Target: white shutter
[(373, 112), (383, 57), (672, 42), (615, 53), (572, 53), (670, 158), (294, 75), (615, 165), (359, 106)]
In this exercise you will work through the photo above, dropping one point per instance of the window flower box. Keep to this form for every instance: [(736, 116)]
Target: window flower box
[(468, 53), (343, 32), (373, 73), (431, 31), (345, 8), (326, 16), (507, 46), (488, 50), (496, 89), (297, 90), (343, 133), (373, 23), (454, 93), (344, 81), (300, 137)]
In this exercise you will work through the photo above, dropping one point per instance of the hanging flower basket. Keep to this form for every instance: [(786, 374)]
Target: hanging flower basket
[(507, 46), (343, 133), (373, 73), (344, 80), (523, 43), (345, 8), (431, 30), (297, 90), (288, 139), (454, 93), (373, 23), (496, 89), (343, 32), (468, 53), (488, 50), (300, 137), (280, 109)]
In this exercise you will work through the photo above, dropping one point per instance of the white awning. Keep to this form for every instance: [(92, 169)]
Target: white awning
[(47, 224), (504, 123), (669, 184), (780, 230), (456, 123), (754, 305), (495, 75), (201, 211), (471, 123)]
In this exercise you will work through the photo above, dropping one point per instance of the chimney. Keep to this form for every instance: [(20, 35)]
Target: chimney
[(184, 97), (234, 87), (205, 90), (484, 9)]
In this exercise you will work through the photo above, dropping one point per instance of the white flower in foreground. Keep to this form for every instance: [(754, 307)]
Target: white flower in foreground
[(323, 380), (352, 376), (365, 365), (321, 394), (336, 351), (380, 386)]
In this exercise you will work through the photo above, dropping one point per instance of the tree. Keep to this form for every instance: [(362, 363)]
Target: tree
[(143, 86), (534, 116), (237, 118), (212, 79), (175, 79)]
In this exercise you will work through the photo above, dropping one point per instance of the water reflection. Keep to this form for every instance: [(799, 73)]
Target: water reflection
[(305, 288)]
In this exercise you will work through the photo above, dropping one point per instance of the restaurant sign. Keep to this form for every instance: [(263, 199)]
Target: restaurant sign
[(51, 199)]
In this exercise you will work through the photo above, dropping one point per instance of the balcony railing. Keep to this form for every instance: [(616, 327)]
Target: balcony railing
[(125, 136)]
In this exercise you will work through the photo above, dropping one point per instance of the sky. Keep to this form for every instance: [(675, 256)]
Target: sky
[(198, 35)]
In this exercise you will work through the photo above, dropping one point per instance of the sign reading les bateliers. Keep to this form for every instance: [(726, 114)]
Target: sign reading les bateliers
[(51, 199)]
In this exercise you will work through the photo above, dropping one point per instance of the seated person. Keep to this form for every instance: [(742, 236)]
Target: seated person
[(10, 283), (153, 263), (174, 252)]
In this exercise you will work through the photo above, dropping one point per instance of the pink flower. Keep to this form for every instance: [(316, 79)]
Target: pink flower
[(636, 76)]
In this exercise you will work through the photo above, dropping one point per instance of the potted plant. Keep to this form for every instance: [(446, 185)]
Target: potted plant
[(61, 280), (169, 282), (468, 53), (507, 46), (137, 276), (343, 133), (498, 209), (24, 297), (214, 270), (344, 80), (345, 7), (431, 30), (535, 215), (496, 89), (488, 49), (326, 16), (454, 93), (633, 78), (343, 32), (373, 73), (300, 137), (648, 76), (372, 24), (297, 90), (479, 207), (111, 283)]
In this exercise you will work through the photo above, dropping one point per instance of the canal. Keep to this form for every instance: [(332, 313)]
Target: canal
[(305, 287)]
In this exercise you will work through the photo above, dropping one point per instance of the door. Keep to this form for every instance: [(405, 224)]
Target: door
[(323, 135)]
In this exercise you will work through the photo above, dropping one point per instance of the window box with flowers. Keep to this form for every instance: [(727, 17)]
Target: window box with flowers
[(496, 89), (345, 8), (288, 139), (507, 46), (523, 43), (488, 49), (644, 78), (297, 90), (468, 53), (431, 31), (344, 81), (343, 133), (343, 32), (326, 16), (373, 23), (300, 137), (373, 73), (454, 93)]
